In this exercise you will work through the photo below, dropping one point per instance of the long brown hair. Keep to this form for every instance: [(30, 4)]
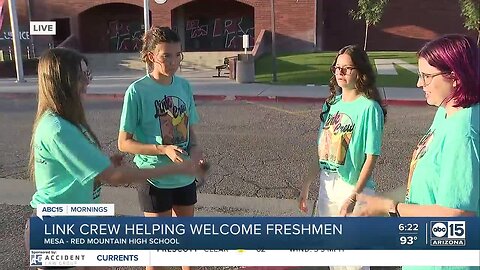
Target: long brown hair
[(366, 80), (59, 75)]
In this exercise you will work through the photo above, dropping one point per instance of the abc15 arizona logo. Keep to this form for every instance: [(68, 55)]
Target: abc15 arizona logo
[(447, 233)]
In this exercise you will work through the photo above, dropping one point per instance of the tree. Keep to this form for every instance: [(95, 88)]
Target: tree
[(470, 12), (371, 12)]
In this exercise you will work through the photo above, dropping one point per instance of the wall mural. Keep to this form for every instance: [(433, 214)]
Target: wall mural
[(125, 36), (211, 34)]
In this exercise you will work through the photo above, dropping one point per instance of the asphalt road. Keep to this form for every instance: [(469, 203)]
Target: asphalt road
[(256, 150)]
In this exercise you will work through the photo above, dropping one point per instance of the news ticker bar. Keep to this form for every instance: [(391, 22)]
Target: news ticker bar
[(254, 257), (252, 233)]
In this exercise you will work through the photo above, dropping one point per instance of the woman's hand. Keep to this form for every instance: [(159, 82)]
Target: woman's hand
[(117, 160), (196, 155), (348, 205), (302, 200), (373, 205), (194, 167)]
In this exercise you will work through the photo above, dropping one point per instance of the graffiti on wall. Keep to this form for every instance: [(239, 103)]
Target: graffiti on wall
[(125, 36), (196, 30), (218, 33), (233, 30)]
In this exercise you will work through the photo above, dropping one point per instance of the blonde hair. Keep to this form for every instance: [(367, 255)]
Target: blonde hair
[(59, 75)]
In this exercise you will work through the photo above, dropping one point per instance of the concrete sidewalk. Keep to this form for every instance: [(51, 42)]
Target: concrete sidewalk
[(19, 192), (209, 88)]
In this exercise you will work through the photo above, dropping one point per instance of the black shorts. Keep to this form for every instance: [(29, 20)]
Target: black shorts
[(26, 236), (155, 200)]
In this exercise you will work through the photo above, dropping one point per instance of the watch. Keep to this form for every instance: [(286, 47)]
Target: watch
[(393, 210)]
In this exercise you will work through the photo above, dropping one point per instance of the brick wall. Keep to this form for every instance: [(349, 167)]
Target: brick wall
[(295, 22), (214, 25), (405, 25), (111, 28)]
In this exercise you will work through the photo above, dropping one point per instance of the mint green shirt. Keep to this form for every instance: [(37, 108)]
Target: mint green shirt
[(66, 163), (440, 268), (159, 114), (351, 130), (445, 166)]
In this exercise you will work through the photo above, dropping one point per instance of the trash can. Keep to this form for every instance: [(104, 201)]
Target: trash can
[(245, 68), (232, 67)]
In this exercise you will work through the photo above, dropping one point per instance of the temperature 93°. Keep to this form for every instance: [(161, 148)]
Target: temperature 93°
[(408, 227), (408, 239)]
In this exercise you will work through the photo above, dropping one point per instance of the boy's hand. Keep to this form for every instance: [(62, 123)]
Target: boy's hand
[(174, 153)]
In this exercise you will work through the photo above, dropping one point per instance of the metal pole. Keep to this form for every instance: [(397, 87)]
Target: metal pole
[(315, 15), (146, 14), (16, 41), (29, 20), (274, 52), (146, 21)]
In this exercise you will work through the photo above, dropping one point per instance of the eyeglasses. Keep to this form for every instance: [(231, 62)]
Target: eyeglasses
[(87, 75), (168, 58), (428, 78), (342, 70)]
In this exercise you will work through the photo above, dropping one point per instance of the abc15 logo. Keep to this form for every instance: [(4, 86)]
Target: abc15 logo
[(448, 229)]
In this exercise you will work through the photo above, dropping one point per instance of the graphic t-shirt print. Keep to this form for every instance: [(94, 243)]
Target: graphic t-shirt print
[(419, 152), (171, 113), (335, 138)]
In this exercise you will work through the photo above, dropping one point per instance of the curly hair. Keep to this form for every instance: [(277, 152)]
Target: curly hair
[(155, 36)]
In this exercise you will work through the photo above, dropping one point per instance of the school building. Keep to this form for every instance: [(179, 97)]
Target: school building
[(116, 26)]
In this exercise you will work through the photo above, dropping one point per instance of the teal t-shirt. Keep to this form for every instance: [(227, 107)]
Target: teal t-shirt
[(445, 165), (66, 163), (440, 268), (351, 130), (160, 114)]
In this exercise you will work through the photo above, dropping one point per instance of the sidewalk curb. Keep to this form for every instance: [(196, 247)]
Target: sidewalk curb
[(114, 96), (20, 191), (406, 102)]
